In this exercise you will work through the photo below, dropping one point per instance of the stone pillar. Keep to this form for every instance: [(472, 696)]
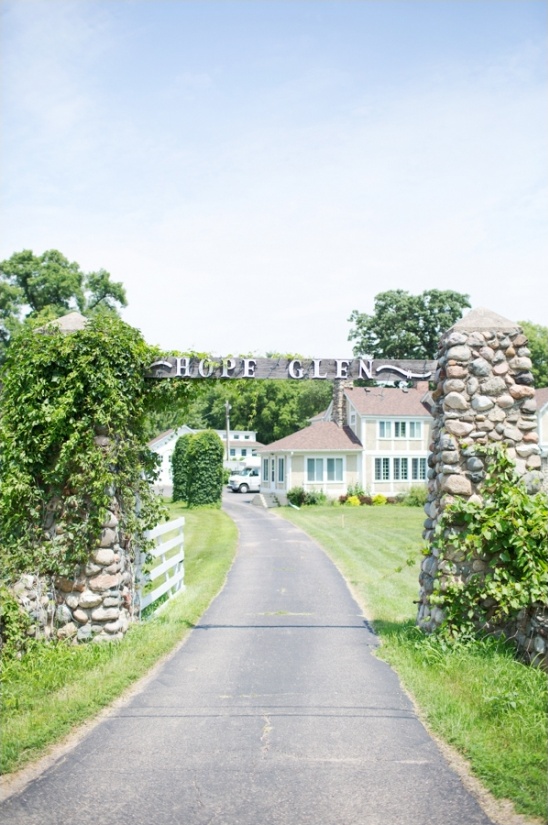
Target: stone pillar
[(484, 394), (97, 602)]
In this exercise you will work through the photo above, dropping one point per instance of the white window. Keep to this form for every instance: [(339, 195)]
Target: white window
[(400, 429), (265, 469), (281, 470), (334, 469), (247, 436), (273, 470), (415, 429), (400, 469), (236, 436), (232, 451), (244, 452), (385, 429), (382, 469), (418, 469), (314, 469)]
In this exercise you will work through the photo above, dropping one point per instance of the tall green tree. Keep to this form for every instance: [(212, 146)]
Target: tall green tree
[(273, 409), (538, 344), (203, 461), (404, 325), (42, 287), (179, 468)]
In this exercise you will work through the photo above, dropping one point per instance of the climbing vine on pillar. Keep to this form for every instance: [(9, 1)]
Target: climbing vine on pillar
[(73, 434), (498, 542)]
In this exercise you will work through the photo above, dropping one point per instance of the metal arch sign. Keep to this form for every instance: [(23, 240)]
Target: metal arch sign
[(194, 367)]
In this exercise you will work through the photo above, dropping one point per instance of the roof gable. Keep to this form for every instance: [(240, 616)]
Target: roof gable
[(322, 435), (390, 401)]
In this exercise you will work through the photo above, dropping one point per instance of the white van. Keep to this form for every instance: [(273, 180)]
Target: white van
[(245, 480)]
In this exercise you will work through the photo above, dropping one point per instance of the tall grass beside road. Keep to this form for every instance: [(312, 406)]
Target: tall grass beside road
[(55, 687), (477, 697)]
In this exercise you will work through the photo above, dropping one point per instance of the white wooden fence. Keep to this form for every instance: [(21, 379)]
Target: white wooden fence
[(168, 571)]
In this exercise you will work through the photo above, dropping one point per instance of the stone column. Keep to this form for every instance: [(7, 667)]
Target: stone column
[(484, 394)]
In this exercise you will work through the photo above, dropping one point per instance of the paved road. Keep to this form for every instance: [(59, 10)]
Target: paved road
[(274, 712)]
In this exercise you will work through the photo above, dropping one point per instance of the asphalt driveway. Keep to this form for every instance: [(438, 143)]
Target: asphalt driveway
[(274, 712)]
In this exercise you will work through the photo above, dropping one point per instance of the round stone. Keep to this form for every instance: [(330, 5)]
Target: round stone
[(459, 353), (63, 614), (481, 403), (103, 556), (455, 401), (459, 428), (89, 599), (457, 485), (480, 367), (453, 385)]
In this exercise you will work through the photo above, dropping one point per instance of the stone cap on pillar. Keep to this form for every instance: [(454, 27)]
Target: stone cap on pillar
[(484, 319), (72, 322)]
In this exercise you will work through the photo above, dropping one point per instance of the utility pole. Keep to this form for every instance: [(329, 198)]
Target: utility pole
[(227, 410)]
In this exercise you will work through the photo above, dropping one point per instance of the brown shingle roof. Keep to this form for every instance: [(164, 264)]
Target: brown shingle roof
[(323, 435), (389, 401)]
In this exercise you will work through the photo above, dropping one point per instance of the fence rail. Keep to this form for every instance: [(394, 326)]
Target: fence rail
[(168, 571)]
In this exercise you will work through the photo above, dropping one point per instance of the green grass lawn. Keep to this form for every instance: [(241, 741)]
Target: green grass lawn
[(477, 697), (55, 687)]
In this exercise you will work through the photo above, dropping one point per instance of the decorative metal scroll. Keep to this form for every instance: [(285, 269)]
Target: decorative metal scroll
[(330, 369)]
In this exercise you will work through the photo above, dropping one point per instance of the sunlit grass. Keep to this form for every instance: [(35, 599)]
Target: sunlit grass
[(477, 697)]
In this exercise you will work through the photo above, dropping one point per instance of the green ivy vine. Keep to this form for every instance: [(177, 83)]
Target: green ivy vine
[(197, 464), (508, 531), (73, 437)]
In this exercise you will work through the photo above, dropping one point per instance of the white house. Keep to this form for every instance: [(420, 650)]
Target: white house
[(376, 437), (242, 449)]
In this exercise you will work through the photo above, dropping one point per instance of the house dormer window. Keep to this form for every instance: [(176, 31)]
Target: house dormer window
[(385, 429), (400, 429)]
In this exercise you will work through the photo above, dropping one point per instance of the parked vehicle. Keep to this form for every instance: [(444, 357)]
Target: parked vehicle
[(245, 480)]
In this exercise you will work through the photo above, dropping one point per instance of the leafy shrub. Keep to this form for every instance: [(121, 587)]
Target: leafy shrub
[(355, 490), (179, 468), (14, 623), (353, 501), (378, 500), (203, 461), (296, 496), (508, 531), (416, 497), (299, 496)]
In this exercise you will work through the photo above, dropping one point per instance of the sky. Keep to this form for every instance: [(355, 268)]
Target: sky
[(252, 172)]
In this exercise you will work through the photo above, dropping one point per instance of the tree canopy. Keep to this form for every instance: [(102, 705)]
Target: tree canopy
[(49, 285), (404, 325), (273, 409), (538, 344)]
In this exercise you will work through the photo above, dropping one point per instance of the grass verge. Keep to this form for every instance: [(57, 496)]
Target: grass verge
[(55, 687), (476, 697)]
